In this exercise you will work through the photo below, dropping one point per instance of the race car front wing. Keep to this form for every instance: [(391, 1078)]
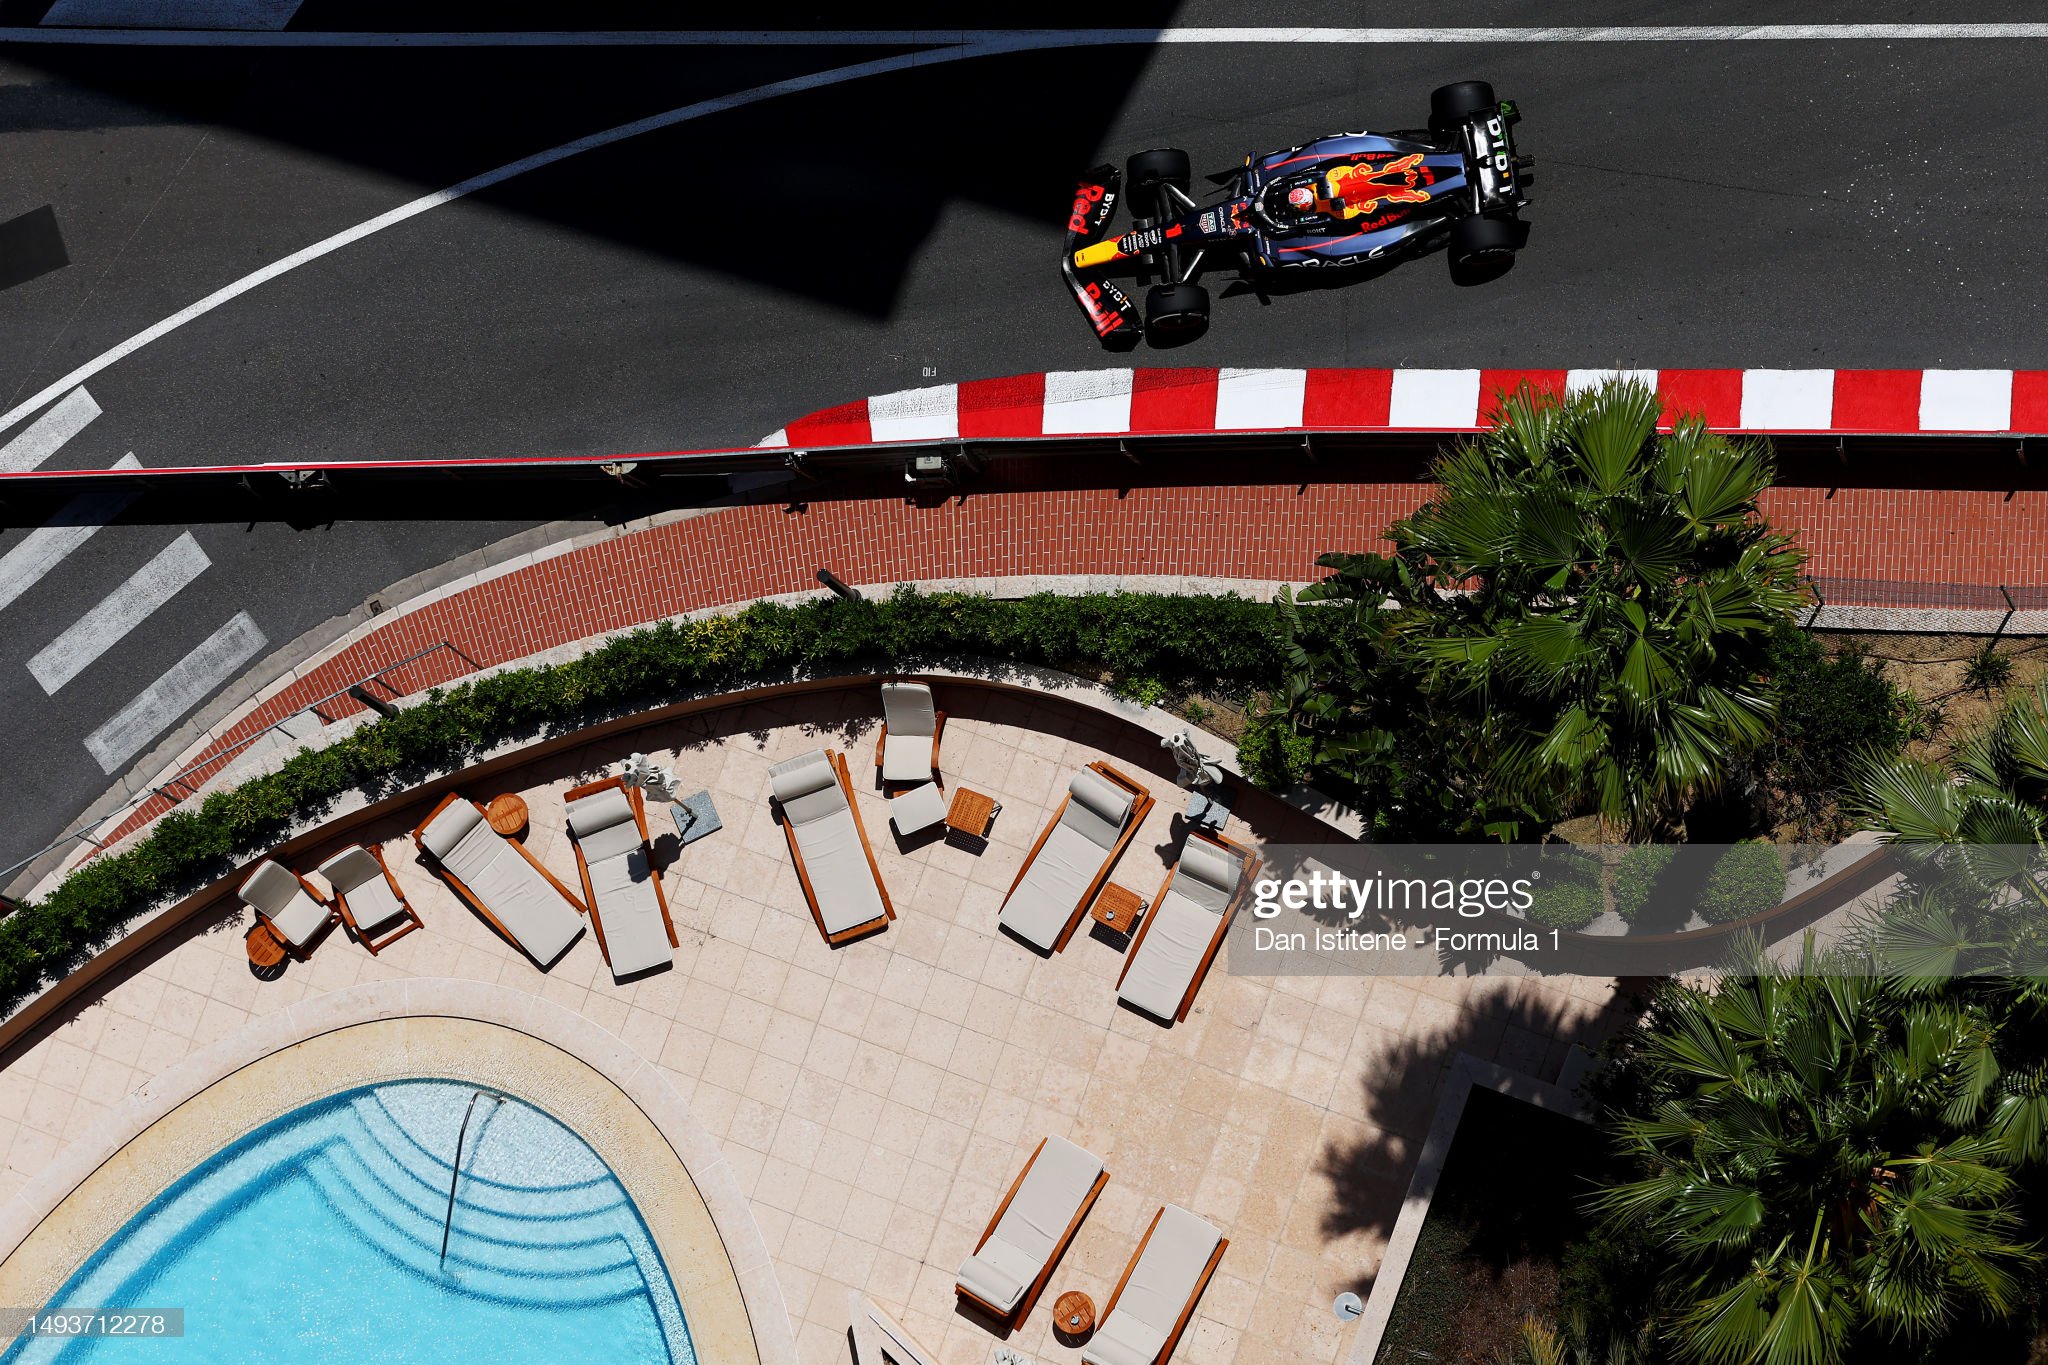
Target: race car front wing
[(1110, 311)]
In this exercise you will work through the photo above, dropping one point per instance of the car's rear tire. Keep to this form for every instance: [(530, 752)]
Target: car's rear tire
[(1160, 166), (1175, 314), (1482, 248), (1450, 105)]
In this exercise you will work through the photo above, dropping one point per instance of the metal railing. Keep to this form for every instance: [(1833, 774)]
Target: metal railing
[(1982, 600), (187, 782), (455, 1174)]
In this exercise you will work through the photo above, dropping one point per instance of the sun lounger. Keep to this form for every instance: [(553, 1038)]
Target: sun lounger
[(1152, 1304), (1073, 856), (608, 825), (500, 880), (295, 911), (1030, 1230), (367, 895), (909, 716), (1181, 936), (829, 845)]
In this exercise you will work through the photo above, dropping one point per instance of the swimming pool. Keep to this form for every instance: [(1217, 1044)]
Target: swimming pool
[(318, 1238)]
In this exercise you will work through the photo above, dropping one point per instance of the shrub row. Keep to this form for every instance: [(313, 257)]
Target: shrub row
[(1145, 642)]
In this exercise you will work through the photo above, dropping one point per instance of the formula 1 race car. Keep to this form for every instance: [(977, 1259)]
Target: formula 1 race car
[(1343, 200)]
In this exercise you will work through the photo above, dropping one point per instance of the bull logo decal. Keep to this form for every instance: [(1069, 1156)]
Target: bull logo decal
[(1364, 187)]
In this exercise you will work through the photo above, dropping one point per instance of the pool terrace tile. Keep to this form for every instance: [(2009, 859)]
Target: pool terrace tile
[(874, 1101)]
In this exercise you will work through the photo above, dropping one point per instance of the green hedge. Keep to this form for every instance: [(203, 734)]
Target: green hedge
[(1146, 642), (1568, 896), (1636, 878), (1748, 878)]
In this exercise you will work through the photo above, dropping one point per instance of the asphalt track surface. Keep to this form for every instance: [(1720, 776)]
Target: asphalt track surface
[(1853, 204)]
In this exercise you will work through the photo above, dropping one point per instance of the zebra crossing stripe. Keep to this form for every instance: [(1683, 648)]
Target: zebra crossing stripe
[(44, 548), (47, 434), (119, 612), (191, 680)]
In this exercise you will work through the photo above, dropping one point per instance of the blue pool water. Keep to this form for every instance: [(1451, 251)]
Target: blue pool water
[(318, 1238)]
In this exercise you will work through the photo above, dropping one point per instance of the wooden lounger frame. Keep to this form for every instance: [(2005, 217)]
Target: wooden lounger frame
[(412, 916), (291, 949), (1037, 1286), (1141, 806), (938, 729), (470, 897), (1252, 863), (1187, 1311), (638, 801), (796, 855)]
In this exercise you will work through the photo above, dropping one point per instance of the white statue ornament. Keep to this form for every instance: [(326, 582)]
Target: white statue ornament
[(1196, 773), (642, 772)]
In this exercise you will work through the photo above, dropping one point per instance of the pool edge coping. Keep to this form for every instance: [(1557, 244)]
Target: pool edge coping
[(638, 1081)]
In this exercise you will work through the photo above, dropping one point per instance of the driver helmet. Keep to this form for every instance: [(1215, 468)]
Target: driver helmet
[(1301, 198)]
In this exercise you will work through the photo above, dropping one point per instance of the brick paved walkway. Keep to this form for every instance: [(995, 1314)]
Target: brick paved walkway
[(1912, 538)]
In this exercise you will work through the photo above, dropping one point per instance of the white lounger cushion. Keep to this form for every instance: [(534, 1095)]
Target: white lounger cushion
[(1184, 923), (621, 881), (835, 860), (1030, 1229), (282, 898), (1069, 859), (498, 875), (1157, 1293), (603, 824), (359, 878), (912, 719)]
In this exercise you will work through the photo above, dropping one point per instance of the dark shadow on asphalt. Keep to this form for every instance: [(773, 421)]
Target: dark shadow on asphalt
[(825, 194), (31, 245)]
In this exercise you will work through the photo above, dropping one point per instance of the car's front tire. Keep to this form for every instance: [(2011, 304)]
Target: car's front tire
[(1160, 166), (1482, 248), (1175, 314), (1450, 105)]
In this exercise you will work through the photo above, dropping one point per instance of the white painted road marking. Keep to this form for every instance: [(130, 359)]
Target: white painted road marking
[(183, 686), (44, 548), (1965, 400), (203, 14), (931, 414), (1081, 401), (1434, 398), (48, 433), (1578, 381), (1788, 400), (970, 43), (119, 612), (1042, 38), (1259, 399)]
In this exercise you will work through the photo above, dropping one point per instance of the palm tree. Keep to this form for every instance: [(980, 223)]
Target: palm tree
[(1596, 595), (1973, 837), (1820, 1161)]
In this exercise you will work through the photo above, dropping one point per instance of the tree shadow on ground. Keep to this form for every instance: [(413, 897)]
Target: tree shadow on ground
[(1524, 1024)]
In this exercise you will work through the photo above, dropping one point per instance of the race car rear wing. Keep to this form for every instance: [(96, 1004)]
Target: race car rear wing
[(1110, 310)]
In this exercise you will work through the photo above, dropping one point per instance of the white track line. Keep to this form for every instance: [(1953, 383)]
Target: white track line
[(914, 37), (49, 432), (119, 612), (183, 686), (44, 548)]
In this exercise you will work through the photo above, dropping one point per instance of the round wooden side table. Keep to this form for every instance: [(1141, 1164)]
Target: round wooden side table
[(507, 815), (266, 952), (1073, 1314)]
